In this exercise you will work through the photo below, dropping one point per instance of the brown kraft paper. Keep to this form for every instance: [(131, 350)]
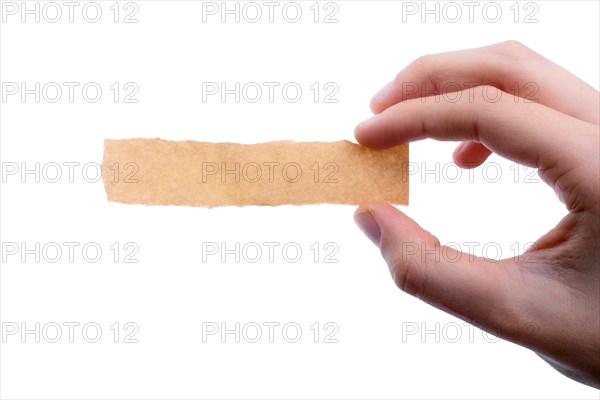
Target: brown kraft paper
[(188, 173)]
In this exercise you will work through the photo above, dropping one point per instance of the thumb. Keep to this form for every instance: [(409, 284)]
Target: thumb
[(471, 288)]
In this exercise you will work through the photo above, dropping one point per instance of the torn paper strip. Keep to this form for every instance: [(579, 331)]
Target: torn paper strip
[(187, 173)]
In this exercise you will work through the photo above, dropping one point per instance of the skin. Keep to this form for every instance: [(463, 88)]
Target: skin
[(548, 299)]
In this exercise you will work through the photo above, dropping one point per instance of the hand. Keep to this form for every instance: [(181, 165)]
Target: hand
[(556, 288)]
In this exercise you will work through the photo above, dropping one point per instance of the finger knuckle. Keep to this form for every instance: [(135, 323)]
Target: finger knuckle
[(513, 49), (426, 66), (407, 274)]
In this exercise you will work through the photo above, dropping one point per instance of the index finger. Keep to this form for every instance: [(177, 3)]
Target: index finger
[(509, 66)]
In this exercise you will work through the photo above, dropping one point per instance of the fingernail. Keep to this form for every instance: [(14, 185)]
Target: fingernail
[(382, 92), (366, 222)]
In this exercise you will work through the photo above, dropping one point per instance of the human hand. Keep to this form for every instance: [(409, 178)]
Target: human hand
[(556, 287)]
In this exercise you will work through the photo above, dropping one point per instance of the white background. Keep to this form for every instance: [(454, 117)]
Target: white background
[(171, 292)]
